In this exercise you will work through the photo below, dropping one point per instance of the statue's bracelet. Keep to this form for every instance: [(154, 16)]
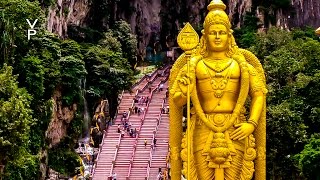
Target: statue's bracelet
[(183, 95), (253, 123)]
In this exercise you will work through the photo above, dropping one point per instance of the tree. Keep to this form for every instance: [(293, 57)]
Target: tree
[(73, 72), (291, 62), (15, 116), (128, 41), (13, 26), (309, 158)]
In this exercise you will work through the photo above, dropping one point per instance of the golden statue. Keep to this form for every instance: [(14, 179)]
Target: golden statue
[(223, 141), (318, 31)]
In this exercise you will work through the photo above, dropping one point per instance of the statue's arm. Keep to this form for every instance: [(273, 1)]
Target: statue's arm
[(257, 92), (178, 92)]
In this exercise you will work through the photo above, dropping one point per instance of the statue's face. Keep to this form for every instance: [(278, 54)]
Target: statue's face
[(217, 37)]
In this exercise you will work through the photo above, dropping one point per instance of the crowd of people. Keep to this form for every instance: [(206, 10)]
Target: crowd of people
[(126, 127), (139, 107)]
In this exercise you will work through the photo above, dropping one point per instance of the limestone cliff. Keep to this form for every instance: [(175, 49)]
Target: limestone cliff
[(143, 17), (306, 12), (64, 13), (152, 20), (61, 117)]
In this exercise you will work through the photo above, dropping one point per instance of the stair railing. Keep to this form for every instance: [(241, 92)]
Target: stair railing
[(153, 137), (154, 76), (103, 137), (120, 138), (139, 129)]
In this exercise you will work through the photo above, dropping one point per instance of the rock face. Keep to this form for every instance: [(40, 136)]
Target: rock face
[(144, 19), (306, 12), (61, 117), (64, 13), (152, 20)]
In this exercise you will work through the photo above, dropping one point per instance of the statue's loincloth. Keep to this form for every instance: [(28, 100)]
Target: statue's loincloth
[(217, 150), (202, 132), (217, 147)]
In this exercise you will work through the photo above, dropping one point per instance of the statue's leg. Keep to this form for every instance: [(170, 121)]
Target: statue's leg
[(203, 171), (233, 172)]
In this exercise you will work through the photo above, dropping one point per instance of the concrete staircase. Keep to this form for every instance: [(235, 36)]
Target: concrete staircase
[(127, 156)]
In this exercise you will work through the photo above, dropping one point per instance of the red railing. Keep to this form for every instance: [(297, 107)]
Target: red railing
[(103, 137), (152, 145), (137, 136), (117, 148), (153, 76), (154, 134), (129, 113)]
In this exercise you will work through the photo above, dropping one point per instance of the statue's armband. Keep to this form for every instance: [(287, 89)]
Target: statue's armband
[(257, 85)]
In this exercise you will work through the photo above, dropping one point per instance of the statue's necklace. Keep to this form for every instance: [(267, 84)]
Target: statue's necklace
[(219, 65), (219, 86)]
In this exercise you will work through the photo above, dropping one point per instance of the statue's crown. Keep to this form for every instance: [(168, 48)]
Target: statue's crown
[(217, 14), (216, 4)]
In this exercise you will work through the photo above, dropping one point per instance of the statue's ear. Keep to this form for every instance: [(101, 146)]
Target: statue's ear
[(202, 31)]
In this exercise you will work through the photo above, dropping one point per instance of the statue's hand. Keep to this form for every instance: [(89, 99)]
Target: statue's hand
[(184, 80), (243, 130)]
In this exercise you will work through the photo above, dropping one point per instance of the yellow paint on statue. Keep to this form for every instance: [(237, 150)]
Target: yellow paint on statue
[(221, 142), (318, 31)]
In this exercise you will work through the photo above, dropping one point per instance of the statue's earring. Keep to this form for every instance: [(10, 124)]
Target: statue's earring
[(203, 47), (230, 46)]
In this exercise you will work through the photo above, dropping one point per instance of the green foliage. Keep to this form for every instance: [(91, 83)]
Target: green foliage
[(75, 128), (110, 42), (128, 41), (37, 131), (46, 47), (291, 62), (71, 48), (309, 159), (63, 160), (24, 167), (73, 72), (15, 113), (269, 42), (306, 32), (108, 72), (14, 25), (32, 76), (86, 35), (246, 36)]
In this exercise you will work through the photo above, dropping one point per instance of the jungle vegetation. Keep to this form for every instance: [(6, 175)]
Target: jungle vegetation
[(31, 71)]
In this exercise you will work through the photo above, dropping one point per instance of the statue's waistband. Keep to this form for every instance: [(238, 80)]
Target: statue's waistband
[(217, 119)]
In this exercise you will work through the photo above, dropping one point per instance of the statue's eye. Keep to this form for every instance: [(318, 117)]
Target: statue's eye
[(212, 33), (223, 32)]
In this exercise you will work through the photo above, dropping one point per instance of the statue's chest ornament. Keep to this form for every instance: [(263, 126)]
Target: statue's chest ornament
[(218, 81)]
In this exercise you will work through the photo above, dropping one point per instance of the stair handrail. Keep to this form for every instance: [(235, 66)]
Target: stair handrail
[(144, 77), (120, 137), (117, 111), (104, 134), (154, 134), (115, 116), (152, 144), (156, 74), (114, 157), (138, 134)]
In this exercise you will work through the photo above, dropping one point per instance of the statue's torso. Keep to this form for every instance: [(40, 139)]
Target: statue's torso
[(213, 96)]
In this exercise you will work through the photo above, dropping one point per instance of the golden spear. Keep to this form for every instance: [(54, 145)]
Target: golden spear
[(188, 40)]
